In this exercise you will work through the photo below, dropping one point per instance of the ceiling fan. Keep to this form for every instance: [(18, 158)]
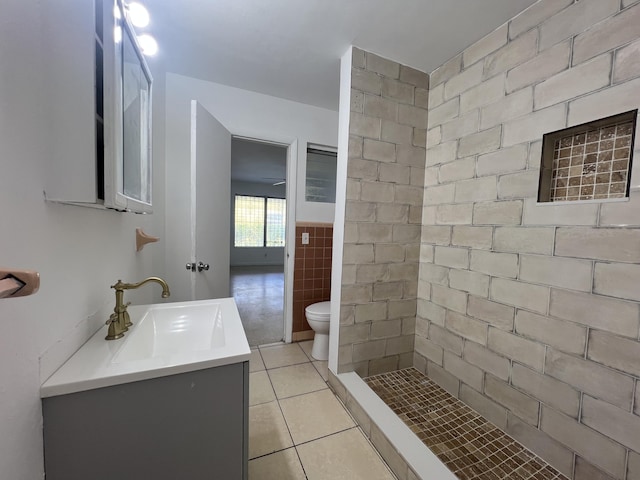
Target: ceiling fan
[(280, 180)]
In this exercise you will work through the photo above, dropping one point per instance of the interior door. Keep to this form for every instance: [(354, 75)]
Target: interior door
[(210, 205)]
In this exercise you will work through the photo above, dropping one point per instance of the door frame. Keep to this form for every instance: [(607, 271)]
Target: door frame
[(290, 228)]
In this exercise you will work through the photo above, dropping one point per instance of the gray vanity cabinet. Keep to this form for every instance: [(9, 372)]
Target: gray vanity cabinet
[(191, 425)]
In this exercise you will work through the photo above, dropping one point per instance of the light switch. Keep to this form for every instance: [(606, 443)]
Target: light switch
[(305, 238)]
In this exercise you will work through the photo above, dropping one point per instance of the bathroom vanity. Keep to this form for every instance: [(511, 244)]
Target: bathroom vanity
[(168, 401)]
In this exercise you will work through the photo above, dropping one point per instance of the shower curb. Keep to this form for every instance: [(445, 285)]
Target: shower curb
[(406, 455)]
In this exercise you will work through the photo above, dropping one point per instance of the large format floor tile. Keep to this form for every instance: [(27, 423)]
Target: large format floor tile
[(284, 465), (255, 362), (346, 455), (306, 348), (260, 390), (283, 355), (268, 432), (314, 415), (296, 380), (298, 428), (323, 369)]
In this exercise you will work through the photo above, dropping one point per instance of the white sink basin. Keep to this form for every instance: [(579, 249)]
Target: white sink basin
[(165, 339), (167, 330)]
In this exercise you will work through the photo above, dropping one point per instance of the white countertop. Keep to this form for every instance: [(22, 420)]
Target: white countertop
[(96, 363)]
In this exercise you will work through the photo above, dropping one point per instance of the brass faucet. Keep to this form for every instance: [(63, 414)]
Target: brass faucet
[(119, 321)]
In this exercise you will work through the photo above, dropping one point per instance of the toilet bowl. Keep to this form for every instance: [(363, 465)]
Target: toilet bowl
[(318, 315)]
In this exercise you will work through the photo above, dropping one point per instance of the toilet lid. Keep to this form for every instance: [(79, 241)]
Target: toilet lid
[(321, 308)]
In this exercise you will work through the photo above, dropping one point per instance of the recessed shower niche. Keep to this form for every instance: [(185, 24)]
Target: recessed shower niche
[(591, 161)]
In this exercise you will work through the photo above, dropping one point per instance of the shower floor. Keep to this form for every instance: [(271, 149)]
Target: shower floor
[(468, 444)]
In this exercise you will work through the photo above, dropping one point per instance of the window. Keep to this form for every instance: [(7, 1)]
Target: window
[(259, 221), (588, 162), (321, 174)]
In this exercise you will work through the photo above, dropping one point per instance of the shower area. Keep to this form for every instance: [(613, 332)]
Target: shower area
[(482, 334)]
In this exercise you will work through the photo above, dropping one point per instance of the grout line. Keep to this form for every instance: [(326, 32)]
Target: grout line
[(300, 461), (327, 435), (313, 362), (384, 462), (301, 394), (272, 453), (287, 366), (283, 418), (294, 444)]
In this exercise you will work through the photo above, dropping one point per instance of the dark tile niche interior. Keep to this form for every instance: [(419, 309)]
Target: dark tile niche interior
[(588, 162)]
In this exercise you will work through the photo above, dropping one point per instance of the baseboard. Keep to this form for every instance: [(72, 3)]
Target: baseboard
[(302, 336)]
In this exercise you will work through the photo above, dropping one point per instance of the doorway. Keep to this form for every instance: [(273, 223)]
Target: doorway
[(258, 258)]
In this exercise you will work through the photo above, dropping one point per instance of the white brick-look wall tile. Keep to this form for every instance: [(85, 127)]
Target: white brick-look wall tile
[(572, 83), (508, 108), (385, 180), (538, 441), (489, 409), (573, 20), (535, 15), (547, 63), (604, 103), (523, 406), (586, 442), (531, 313), (607, 35), (626, 63), (566, 336), (550, 391), (512, 54), (485, 46)]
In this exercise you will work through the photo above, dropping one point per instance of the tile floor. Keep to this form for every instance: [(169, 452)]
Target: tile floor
[(298, 429), (259, 294), (469, 445)]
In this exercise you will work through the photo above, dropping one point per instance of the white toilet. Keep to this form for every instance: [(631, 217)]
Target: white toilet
[(318, 315)]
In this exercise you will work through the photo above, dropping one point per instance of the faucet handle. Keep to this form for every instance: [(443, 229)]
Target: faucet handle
[(112, 318)]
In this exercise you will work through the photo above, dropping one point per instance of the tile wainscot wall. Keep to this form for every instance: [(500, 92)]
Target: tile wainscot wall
[(311, 273)]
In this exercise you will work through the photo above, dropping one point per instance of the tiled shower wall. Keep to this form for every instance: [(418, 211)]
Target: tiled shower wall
[(311, 272), (385, 180), (530, 313)]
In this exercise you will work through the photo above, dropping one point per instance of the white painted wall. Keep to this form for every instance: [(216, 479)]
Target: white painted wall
[(79, 252), (255, 115)]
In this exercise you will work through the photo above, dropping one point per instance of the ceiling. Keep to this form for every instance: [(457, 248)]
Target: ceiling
[(257, 162), (292, 48)]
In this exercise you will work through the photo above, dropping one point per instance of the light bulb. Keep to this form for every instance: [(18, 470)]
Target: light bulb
[(138, 14), (148, 44)]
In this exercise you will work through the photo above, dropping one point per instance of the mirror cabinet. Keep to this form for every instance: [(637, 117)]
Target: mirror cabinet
[(101, 116)]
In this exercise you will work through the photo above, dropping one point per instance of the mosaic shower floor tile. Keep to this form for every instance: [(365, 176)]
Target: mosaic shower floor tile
[(468, 444)]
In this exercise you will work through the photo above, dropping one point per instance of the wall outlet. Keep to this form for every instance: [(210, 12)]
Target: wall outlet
[(305, 238)]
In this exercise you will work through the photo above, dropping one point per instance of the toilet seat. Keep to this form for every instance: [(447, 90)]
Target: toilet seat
[(320, 312)]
